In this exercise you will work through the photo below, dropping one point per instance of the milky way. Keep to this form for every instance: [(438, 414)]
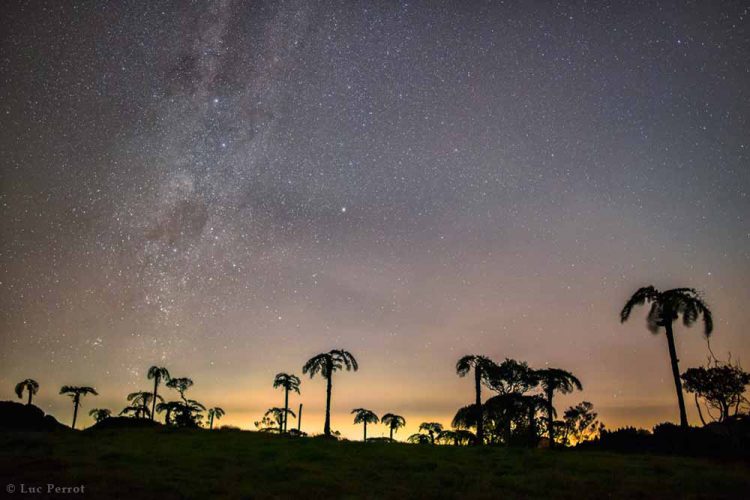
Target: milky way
[(230, 188)]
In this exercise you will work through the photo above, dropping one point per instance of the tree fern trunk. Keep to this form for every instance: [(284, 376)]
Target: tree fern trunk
[(153, 405), (299, 418), (676, 373), (29, 398), (480, 420), (75, 413), (286, 407), (327, 426), (365, 438), (550, 419), (700, 413)]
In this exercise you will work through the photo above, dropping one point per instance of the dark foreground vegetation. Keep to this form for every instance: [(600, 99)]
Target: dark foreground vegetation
[(168, 463)]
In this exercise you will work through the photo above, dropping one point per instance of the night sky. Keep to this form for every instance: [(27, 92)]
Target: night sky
[(228, 189)]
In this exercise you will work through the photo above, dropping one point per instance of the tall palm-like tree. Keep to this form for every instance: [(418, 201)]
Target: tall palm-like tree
[(364, 416), (157, 373), (481, 365), (75, 393), (666, 307), (433, 429), (214, 412), (31, 386), (289, 383), (326, 363), (100, 414), (394, 422), (555, 380)]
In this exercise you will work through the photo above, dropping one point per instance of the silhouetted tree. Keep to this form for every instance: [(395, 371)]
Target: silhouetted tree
[(157, 373), (555, 380), (214, 412), (501, 412), (188, 413), (139, 404), (481, 365), (456, 437), (325, 364), (665, 310), (433, 429), (721, 387), (75, 393), (289, 383), (31, 386), (278, 415), (466, 417), (363, 416), (169, 408), (533, 403), (581, 423), (419, 439), (100, 414), (394, 422), (181, 385), (510, 377)]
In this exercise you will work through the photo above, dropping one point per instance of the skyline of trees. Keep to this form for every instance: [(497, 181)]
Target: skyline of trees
[(510, 415)]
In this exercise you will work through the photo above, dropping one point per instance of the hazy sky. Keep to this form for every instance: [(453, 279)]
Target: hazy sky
[(228, 189)]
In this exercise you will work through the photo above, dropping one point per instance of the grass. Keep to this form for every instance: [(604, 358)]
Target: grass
[(166, 464)]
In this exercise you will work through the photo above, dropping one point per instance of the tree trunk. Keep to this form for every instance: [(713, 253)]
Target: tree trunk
[(700, 413), (211, 424), (29, 397), (286, 407), (550, 419), (153, 405), (532, 425), (479, 412), (365, 438), (676, 373), (75, 413), (327, 426), (391, 433), (299, 418)]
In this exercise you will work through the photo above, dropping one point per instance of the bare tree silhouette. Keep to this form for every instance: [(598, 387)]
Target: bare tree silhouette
[(555, 380), (666, 307), (394, 422), (481, 365), (158, 374), (30, 385), (363, 416), (325, 364), (75, 393), (289, 383)]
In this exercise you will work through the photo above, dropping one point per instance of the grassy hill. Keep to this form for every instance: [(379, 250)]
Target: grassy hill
[(163, 463)]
